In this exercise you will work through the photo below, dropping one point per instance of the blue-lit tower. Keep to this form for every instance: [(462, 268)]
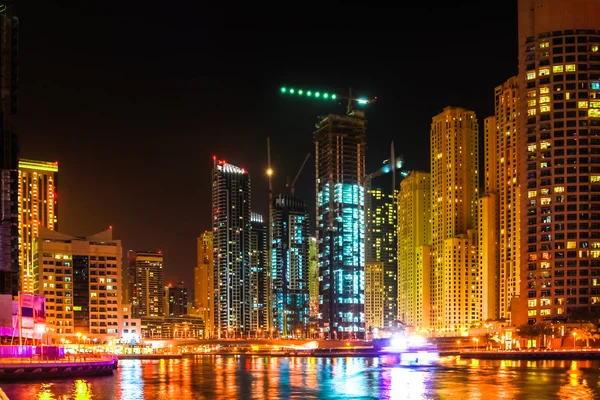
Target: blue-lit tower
[(290, 266), (340, 144)]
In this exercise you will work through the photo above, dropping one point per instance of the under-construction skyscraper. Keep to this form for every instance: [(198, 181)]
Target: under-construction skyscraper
[(340, 142), (9, 231)]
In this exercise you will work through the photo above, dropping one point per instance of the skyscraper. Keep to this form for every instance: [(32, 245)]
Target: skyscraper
[(145, 271), (559, 78), (340, 142), (290, 264), (37, 207), (374, 295), (381, 241), (203, 281), (176, 300), (9, 224), (414, 245), (313, 277), (455, 296), (499, 231), (231, 248), (259, 287)]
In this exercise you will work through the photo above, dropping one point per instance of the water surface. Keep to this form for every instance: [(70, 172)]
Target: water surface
[(271, 378)]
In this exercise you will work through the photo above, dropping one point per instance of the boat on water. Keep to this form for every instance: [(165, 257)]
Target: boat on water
[(409, 351)]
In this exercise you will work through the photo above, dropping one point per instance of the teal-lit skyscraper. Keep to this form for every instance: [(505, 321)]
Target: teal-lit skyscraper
[(340, 144), (290, 266)]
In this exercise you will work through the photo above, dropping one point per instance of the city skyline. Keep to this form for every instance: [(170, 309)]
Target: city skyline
[(253, 95)]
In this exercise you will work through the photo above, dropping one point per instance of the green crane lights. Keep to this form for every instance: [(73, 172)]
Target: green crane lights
[(308, 93)]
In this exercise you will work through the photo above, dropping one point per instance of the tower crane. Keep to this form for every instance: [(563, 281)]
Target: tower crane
[(291, 185)]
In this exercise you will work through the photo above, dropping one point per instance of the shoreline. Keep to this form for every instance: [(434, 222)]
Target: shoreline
[(17, 370)]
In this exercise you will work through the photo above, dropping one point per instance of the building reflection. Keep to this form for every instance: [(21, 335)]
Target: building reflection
[(576, 387)]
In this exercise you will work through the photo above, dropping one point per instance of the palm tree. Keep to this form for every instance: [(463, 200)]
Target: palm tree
[(586, 334)]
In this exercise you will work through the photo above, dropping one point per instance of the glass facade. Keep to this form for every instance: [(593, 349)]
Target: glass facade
[(259, 275), (381, 244), (290, 266), (231, 249), (340, 143)]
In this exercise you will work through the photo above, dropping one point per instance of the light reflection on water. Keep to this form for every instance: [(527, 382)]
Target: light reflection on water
[(272, 378)]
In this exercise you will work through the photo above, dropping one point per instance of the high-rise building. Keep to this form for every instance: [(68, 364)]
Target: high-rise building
[(559, 81), (499, 231), (375, 293), (145, 271), (259, 288), (81, 278), (313, 277), (414, 245), (231, 248), (340, 146), (203, 281), (37, 207), (454, 280), (176, 304), (290, 263), (381, 241), (9, 178)]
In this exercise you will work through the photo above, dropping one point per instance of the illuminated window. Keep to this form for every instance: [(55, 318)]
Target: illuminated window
[(571, 245), (531, 313), (570, 67), (594, 104), (531, 303), (582, 104), (544, 90), (545, 191), (546, 200), (594, 48), (594, 113), (544, 164), (544, 99), (531, 147), (532, 193), (531, 112), (544, 108), (530, 75), (557, 68), (544, 265), (531, 93), (531, 103), (544, 71), (544, 145), (544, 45), (595, 85), (568, 96), (545, 311)]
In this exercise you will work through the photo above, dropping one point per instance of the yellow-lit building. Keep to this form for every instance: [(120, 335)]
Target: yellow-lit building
[(37, 207), (203, 281), (81, 279), (499, 232), (454, 280), (559, 77), (414, 244), (374, 295), (145, 274)]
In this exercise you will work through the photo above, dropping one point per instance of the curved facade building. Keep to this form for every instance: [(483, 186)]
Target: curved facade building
[(559, 77)]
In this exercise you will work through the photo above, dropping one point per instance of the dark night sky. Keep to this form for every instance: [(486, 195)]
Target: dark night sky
[(134, 101)]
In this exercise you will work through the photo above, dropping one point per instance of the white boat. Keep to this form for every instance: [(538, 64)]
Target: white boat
[(410, 351)]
